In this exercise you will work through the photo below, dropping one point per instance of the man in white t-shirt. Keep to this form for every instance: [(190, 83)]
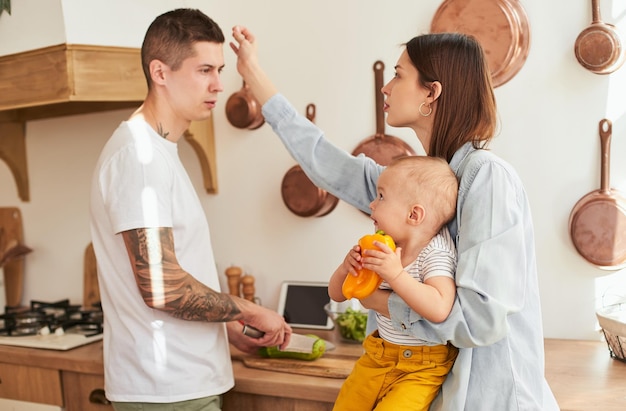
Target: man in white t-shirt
[(166, 324)]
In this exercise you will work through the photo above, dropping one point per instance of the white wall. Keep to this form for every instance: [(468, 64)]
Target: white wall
[(322, 52)]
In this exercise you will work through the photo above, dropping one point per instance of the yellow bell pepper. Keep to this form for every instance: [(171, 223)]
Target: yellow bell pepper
[(366, 281)]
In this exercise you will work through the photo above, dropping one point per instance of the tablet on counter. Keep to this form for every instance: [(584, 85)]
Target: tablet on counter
[(301, 303)]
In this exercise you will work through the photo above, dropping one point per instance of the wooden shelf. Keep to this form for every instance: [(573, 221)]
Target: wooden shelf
[(57, 76), (200, 136), (70, 79)]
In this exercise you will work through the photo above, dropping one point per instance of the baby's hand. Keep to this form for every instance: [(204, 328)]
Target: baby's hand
[(352, 262), (385, 262)]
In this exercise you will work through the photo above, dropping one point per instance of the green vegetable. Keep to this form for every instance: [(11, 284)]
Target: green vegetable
[(319, 347), (352, 324)]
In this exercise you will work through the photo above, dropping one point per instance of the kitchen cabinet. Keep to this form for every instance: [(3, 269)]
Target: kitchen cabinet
[(84, 392), (61, 378), (31, 384), (251, 402)]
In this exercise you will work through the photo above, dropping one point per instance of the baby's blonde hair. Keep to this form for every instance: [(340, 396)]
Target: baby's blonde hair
[(431, 182)]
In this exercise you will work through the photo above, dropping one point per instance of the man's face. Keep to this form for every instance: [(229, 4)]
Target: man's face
[(192, 89)]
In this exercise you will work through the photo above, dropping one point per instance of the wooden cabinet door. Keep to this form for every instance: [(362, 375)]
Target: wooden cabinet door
[(238, 401), (84, 392), (32, 384)]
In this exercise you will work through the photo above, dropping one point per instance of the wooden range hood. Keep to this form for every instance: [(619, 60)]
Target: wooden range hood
[(70, 79)]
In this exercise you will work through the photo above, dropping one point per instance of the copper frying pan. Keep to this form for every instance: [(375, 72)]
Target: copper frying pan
[(598, 48), (243, 110), (300, 195), (500, 26), (381, 147), (597, 223)]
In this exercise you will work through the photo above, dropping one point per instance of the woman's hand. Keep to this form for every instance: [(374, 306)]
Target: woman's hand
[(248, 65), (245, 49)]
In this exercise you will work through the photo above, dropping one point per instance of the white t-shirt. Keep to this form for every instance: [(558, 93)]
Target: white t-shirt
[(150, 356), (438, 258)]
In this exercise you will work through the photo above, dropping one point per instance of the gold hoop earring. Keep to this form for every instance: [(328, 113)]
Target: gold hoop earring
[(430, 110)]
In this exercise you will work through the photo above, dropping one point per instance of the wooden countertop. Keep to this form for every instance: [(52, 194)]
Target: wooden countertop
[(281, 384), (581, 374), (584, 377), (86, 359)]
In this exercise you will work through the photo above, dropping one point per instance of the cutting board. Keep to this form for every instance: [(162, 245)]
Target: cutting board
[(11, 225), (329, 365), (91, 292)]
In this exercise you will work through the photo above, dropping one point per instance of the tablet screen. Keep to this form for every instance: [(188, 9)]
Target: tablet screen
[(302, 304)]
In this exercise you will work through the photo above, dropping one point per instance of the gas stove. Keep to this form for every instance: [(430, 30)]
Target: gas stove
[(51, 325)]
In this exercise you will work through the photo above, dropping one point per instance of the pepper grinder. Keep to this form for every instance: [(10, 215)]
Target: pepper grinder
[(234, 280), (247, 287)]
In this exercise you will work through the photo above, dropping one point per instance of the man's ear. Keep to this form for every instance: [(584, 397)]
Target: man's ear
[(157, 71), (417, 214)]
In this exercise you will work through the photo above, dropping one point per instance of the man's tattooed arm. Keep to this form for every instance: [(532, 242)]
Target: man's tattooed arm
[(165, 286)]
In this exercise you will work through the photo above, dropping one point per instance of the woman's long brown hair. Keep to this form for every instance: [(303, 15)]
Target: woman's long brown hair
[(466, 108)]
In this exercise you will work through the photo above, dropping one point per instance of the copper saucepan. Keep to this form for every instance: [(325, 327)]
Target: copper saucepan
[(500, 26), (243, 110), (381, 147), (598, 48), (300, 195), (597, 223)]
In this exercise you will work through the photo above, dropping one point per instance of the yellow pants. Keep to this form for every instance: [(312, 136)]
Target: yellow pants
[(390, 377)]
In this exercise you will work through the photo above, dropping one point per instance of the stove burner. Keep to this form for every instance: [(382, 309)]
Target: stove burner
[(57, 317)]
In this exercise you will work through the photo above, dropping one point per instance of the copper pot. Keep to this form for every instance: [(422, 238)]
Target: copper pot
[(381, 147), (500, 26), (597, 223), (243, 110), (300, 195), (598, 48)]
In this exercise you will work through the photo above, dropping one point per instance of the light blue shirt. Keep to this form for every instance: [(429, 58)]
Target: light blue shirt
[(496, 318)]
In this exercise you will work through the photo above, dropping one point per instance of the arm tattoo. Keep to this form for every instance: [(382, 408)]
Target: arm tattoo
[(165, 286)]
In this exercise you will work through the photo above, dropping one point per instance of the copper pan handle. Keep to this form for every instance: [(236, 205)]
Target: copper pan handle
[(595, 12), (379, 67), (605, 130), (310, 112)]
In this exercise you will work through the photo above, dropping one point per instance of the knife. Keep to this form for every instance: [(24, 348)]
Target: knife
[(297, 343)]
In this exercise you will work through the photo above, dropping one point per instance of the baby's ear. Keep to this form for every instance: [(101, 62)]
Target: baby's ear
[(417, 214)]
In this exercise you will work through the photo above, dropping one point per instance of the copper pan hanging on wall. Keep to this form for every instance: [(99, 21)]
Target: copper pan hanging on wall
[(381, 147), (598, 48), (500, 26), (243, 110), (300, 195), (597, 224)]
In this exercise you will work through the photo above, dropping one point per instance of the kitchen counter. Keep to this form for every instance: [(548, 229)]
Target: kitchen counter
[(85, 359), (584, 377), (319, 391), (581, 374)]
